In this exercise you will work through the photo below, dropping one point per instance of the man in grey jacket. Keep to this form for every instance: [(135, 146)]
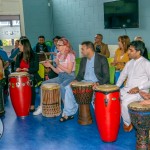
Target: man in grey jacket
[(93, 68)]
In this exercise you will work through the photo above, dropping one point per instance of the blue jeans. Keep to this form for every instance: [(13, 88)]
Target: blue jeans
[(63, 80)]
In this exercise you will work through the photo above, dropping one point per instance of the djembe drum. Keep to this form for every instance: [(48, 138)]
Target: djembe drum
[(140, 118), (20, 92), (108, 111), (83, 93), (42, 56), (51, 100)]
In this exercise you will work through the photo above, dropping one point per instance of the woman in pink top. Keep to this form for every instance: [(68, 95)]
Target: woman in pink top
[(65, 68)]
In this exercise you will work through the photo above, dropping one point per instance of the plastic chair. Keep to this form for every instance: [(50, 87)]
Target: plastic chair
[(149, 56), (112, 74), (41, 73), (78, 60), (110, 60), (49, 43)]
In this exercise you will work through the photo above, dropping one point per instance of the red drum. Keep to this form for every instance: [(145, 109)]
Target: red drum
[(20, 92), (108, 111)]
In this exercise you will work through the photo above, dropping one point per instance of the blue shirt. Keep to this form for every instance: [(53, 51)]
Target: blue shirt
[(53, 49), (3, 54), (13, 54), (89, 70)]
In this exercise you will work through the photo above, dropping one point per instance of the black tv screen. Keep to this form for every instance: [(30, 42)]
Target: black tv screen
[(121, 14)]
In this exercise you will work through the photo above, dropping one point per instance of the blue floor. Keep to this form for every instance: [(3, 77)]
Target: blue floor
[(41, 133)]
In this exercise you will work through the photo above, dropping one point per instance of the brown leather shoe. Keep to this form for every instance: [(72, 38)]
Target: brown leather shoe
[(128, 128)]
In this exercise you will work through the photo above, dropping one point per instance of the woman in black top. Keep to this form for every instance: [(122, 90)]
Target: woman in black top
[(28, 61)]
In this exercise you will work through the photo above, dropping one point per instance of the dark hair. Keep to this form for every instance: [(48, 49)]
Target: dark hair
[(139, 46), (89, 44), (100, 35), (56, 37), (26, 48), (125, 40), (41, 36)]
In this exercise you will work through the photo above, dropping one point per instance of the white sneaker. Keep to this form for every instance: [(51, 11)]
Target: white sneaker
[(38, 111)]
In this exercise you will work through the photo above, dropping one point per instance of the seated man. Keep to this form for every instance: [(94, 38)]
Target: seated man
[(4, 56), (41, 46), (137, 73), (13, 55), (101, 47), (93, 67)]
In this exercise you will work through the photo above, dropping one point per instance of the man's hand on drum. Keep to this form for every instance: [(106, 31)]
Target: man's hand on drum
[(95, 85), (134, 90), (73, 82), (144, 95), (145, 102)]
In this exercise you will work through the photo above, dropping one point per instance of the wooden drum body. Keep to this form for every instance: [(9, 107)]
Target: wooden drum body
[(20, 92), (51, 100), (108, 111), (140, 117), (83, 93)]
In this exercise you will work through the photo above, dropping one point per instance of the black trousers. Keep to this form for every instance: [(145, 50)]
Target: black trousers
[(33, 95)]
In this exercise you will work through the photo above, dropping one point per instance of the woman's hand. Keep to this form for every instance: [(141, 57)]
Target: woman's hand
[(25, 69), (18, 69), (95, 85)]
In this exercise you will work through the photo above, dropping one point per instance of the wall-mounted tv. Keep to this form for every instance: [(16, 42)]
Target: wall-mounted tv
[(121, 14)]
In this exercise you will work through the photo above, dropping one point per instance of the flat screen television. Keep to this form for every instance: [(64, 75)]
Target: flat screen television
[(121, 14)]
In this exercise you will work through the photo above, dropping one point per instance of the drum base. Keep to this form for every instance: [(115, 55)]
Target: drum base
[(51, 110), (142, 142), (84, 117)]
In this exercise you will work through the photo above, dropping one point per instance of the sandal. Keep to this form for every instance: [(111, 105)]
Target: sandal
[(63, 119)]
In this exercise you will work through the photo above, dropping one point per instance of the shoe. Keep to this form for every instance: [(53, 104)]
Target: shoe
[(38, 111), (63, 119), (128, 128), (32, 110)]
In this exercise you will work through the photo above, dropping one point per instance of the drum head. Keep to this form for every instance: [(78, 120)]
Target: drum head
[(137, 106), (107, 88), (18, 74), (82, 84), (50, 86)]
